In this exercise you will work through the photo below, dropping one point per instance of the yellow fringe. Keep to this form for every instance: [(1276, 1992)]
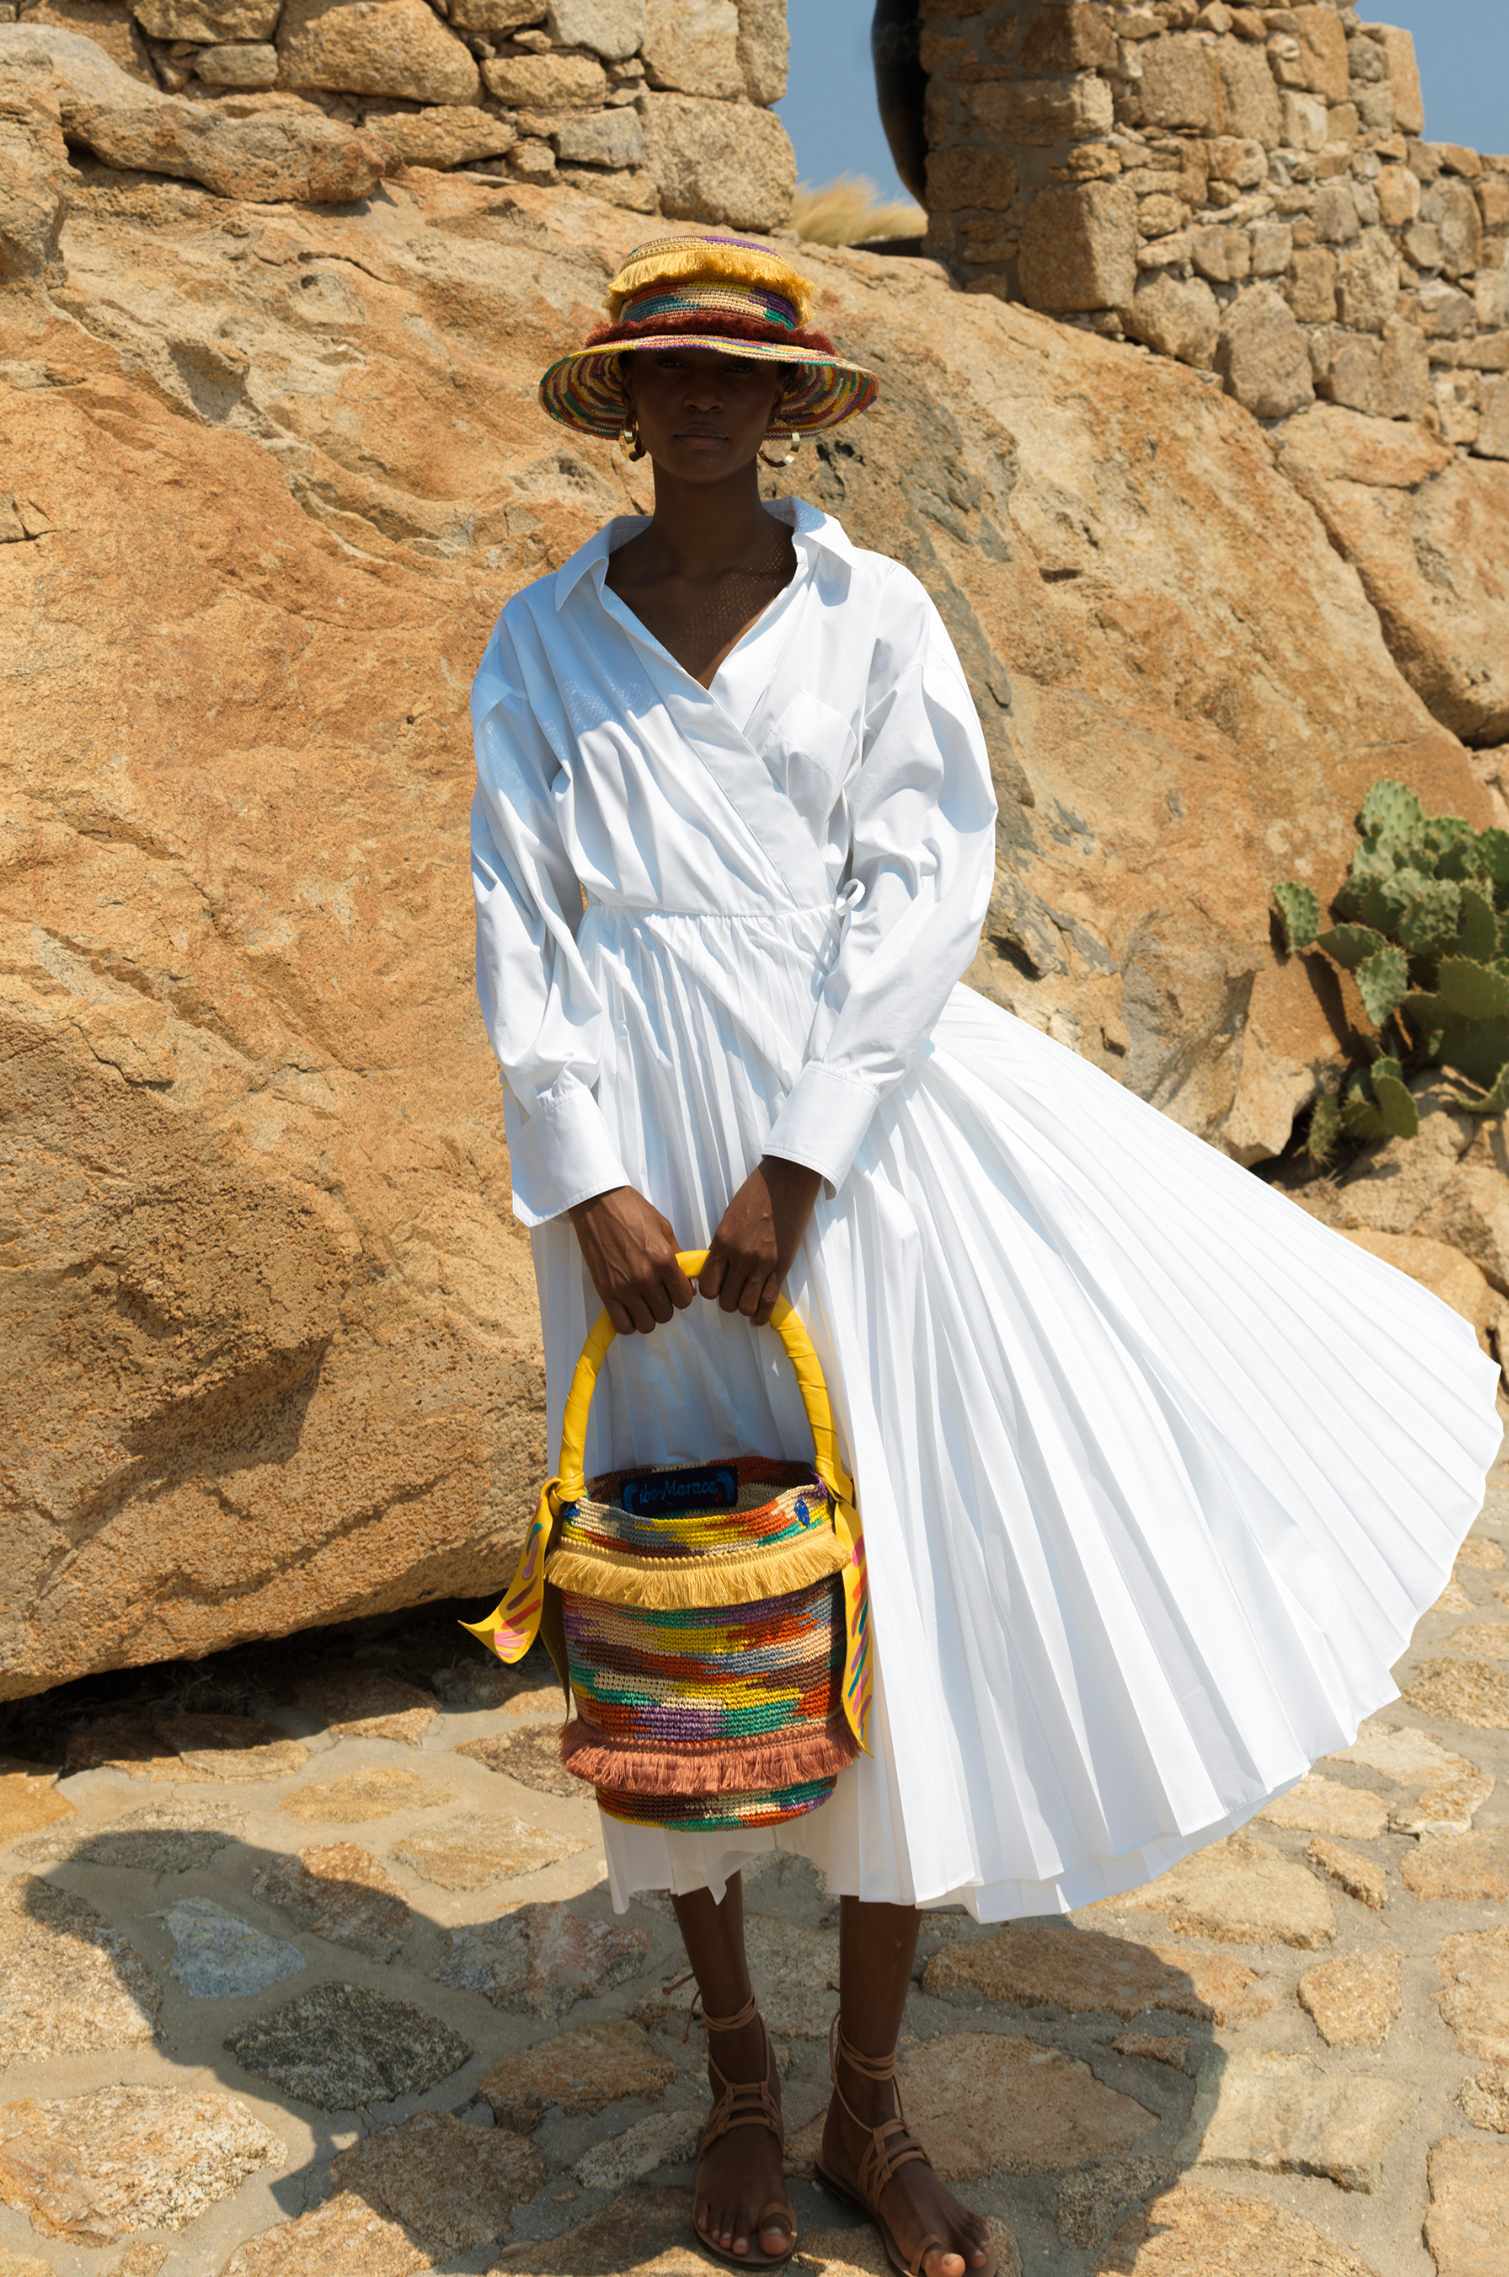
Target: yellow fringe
[(665, 260), (693, 1582)]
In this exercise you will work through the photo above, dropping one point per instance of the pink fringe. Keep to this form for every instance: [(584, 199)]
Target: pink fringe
[(809, 1754)]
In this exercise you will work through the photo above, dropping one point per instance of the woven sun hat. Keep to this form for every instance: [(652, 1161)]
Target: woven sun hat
[(729, 293)]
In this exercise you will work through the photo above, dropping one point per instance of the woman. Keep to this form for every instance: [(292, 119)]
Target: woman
[(1157, 1472)]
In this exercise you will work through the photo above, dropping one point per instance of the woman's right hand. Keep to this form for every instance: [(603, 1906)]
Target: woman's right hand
[(630, 1251)]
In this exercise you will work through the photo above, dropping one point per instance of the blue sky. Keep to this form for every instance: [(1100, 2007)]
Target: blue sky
[(830, 113)]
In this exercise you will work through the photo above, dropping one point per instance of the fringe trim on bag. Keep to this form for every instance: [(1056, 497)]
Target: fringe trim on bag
[(693, 1583), (777, 1762)]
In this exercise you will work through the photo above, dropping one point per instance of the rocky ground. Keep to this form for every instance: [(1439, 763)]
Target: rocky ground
[(309, 1967)]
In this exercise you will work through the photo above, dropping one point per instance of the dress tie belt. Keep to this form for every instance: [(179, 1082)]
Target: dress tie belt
[(766, 914)]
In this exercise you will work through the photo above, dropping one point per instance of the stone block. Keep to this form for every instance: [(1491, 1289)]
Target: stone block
[(692, 47), (1452, 205), (388, 47), (602, 138), (1179, 85), (1159, 214), (1388, 378), (1375, 110), (1468, 2217), (1039, 110), (1221, 252), (546, 82), (1179, 316), (1237, 159), (1322, 51), (98, 2167), (342, 2047), (958, 176), (1474, 1990), (1491, 293), (452, 2186), (613, 29), (1262, 354), (241, 63), (1362, 1878), (1306, 121), (494, 15), (720, 162), (1398, 193), (1272, 248), (1288, 2113), (1335, 213), (763, 49), (1249, 94), (1313, 285), (207, 19), (1354, 1999), (1079, 37), (1369, 282), (1422, 247), (1403, 77), (1493, 432), (29, 1799), (1079, 247), (1444, 312)]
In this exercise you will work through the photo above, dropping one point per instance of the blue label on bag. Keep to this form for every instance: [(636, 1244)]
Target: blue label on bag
[(651, 1494)]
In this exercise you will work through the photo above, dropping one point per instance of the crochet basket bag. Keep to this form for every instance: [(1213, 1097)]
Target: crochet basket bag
[(711, 1619)]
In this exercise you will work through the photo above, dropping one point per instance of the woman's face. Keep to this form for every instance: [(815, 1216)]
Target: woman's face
[(701, 413)]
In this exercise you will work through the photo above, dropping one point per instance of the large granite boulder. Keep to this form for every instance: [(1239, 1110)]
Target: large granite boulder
[(270, 1328)]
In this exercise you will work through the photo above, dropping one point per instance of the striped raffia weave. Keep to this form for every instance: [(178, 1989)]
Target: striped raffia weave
[(703, 1612)]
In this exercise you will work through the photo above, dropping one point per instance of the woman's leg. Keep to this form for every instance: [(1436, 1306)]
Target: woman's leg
[(740, 2176), (876, 1943)]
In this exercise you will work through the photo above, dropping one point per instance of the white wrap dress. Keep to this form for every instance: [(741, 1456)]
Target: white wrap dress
[(1157, 1472)]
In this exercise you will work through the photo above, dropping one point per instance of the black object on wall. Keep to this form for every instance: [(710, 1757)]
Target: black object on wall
[(900, 84)]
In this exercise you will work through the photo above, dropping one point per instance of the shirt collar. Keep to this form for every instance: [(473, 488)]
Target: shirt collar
[(810, 527)]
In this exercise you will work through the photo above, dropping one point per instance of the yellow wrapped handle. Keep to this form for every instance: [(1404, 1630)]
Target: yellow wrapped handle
[(510, 1629)]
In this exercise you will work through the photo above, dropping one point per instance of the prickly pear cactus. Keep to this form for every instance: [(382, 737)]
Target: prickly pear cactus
[(1422, 925)]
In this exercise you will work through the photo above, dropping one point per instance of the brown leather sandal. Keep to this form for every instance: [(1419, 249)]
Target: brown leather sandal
[(741, 2103), (891, 2144)]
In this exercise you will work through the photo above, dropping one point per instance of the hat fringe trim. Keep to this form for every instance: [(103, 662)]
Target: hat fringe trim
[(724, 321), (703, 257)]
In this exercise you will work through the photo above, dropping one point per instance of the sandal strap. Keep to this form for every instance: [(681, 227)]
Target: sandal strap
[(745, 2014), (873, 2067), (890, 2146), (891, 2143), (743, 2103)]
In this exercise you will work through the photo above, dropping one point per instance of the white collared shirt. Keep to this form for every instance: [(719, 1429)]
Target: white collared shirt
[(830, 791)]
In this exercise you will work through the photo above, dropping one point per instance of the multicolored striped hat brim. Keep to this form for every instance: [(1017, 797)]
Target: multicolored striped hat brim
[(731, 294), (584, 389)]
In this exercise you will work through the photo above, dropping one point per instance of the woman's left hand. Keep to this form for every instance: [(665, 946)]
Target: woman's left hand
[(757, 1237)]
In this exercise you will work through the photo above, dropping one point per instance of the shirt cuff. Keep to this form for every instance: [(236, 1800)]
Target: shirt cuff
[(560, 1154), (823, 1121)]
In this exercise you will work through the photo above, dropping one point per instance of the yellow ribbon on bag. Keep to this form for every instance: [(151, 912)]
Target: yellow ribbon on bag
[(512, 1626)]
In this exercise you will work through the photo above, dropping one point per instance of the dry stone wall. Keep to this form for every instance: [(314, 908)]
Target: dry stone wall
[(1245, 188), (659, 105)]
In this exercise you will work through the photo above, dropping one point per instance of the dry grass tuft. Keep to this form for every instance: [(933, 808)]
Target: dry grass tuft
[(849, 211)]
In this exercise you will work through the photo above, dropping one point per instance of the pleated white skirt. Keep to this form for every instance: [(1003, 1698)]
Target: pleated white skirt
[(1157, 1471)]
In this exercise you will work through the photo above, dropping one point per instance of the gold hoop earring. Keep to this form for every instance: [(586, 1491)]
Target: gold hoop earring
[(795, 441)]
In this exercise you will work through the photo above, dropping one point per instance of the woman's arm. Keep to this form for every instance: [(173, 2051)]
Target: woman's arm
[(922, 811), (544, 1016)]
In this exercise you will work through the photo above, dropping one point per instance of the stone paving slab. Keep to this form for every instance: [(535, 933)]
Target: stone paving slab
[(308, 1969)]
